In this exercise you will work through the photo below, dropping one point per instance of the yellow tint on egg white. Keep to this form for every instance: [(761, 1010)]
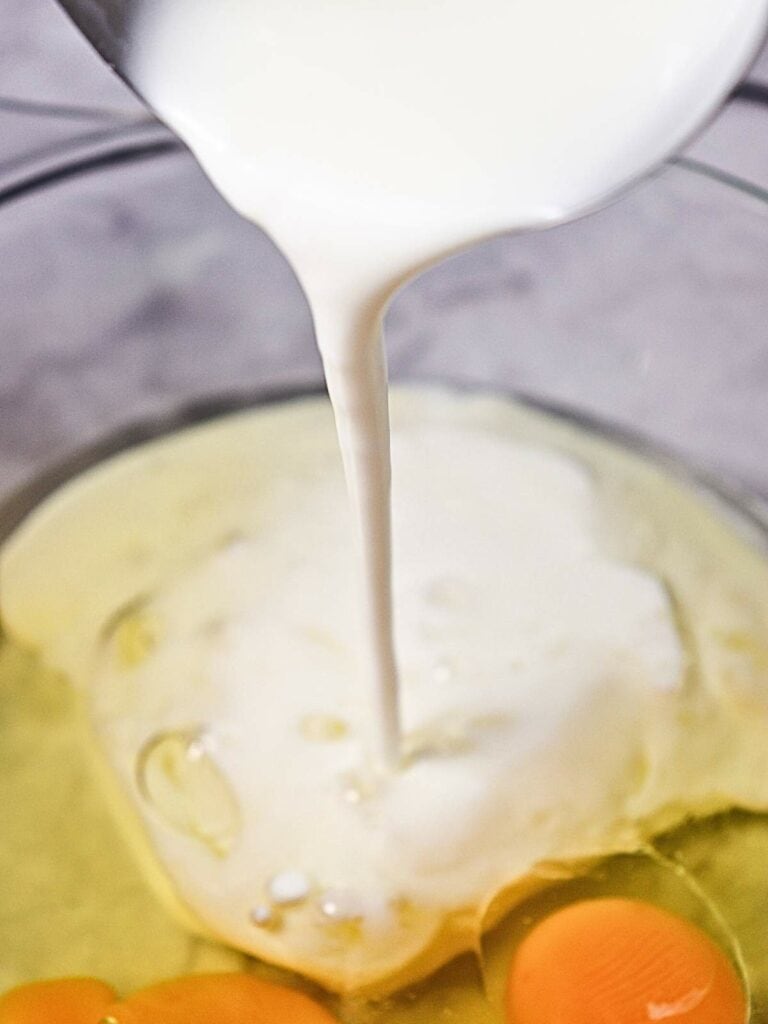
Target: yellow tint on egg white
[(560, 705), (67, 909)]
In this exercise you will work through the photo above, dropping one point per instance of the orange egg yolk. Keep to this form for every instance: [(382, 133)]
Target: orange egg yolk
[(74, 1000), (207, 999), (605, 961), (616, 961)]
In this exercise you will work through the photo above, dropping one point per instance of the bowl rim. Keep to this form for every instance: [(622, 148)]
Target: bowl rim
[(128, 141), (747, 509)]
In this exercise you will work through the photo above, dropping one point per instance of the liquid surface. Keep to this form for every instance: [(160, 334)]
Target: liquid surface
[(67, 909), (349, 132), (592, 713), (371, 138)]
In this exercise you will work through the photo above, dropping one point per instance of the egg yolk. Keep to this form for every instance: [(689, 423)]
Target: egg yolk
[(219, 998), (608, 961), (616, 961), (73, 1000)]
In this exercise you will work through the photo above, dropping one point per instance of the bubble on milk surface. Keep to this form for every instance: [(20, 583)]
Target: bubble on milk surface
[(178, 777)]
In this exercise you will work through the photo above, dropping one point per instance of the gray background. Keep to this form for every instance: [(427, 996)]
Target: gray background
[(115, 292)]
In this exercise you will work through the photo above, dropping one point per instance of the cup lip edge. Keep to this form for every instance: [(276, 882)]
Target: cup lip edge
[(130, 140)]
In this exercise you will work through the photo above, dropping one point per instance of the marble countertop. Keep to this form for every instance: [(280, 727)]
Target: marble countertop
[(131, 289)]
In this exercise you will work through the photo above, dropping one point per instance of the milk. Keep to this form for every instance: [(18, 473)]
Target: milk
[(582, 642), (371, 138)]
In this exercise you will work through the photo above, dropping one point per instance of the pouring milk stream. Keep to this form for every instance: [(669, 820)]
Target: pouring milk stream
[(580, 639), (372, 138)]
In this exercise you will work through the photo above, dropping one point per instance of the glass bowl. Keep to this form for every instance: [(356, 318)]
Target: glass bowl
[(130, 290), (134, 301)]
